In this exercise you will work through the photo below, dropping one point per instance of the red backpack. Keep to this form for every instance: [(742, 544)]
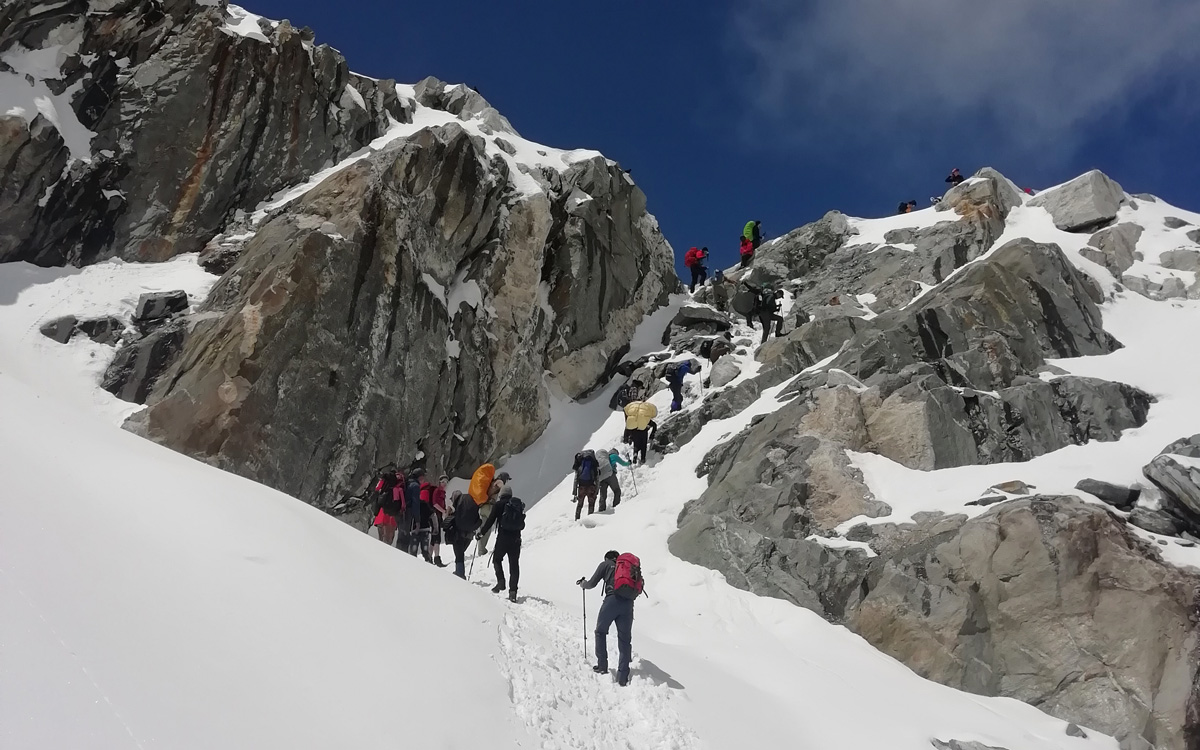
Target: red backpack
[(627, 580), (692, 258)]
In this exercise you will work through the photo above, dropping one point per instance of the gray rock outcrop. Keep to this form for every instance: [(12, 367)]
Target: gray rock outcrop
[(1083, 204), (411, 303), (1114, 247), (191, 122), (1176, 471)]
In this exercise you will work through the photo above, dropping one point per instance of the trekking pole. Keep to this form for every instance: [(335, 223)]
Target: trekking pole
[(585, 653), (472, 568), (633, 476)]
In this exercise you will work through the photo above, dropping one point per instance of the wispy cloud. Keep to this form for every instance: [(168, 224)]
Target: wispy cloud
[(1029, 71)]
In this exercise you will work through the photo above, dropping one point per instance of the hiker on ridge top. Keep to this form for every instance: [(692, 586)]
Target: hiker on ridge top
[(955, 179), (753, 232), (694, 262)]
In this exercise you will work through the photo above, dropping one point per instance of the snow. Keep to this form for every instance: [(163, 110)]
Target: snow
[(20, 98), (242, 22), (70, 373), (354, 97), (873, 231)]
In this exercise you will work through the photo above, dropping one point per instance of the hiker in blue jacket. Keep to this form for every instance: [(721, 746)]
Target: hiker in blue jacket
[(675, 374)]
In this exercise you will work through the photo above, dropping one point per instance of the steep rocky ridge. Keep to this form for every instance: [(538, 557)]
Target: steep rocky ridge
[(933, 345), (402, 275)]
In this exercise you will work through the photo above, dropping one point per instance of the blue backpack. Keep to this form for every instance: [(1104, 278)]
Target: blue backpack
[(586, 472)]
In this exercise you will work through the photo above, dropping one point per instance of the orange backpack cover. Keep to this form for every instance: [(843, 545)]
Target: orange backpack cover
[(481, 482)]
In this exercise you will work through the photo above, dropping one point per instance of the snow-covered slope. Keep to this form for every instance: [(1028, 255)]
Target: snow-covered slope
[(160, 603)]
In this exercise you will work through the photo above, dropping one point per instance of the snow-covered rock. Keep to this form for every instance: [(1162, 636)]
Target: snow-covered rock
[(1084, 203), (1114, 247)]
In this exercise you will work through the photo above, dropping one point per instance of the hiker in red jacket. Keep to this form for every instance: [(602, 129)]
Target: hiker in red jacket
[(746, 251), (694, 260)]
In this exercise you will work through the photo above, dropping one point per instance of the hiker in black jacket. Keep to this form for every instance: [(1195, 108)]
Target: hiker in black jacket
[(955, 179), (509, 517), (461, 528)]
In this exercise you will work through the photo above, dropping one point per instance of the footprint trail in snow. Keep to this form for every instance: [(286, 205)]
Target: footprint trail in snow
[(566, 704)]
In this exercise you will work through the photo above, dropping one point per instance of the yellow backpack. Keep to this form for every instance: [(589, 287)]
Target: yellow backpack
[(638, 415)]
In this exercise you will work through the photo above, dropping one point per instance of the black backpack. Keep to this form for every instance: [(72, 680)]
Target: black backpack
[(384, 485), (671, 371), (513, 517)]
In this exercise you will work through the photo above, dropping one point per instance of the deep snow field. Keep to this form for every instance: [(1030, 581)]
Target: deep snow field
[(152, 601)]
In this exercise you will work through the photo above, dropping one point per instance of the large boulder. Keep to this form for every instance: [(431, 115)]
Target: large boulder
[(1114, 247), (988, 191), (1054, 602), (1178, 475), (411, 303), (1181, 259), (1083, 204)]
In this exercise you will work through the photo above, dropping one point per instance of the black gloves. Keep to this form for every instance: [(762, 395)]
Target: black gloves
[(580, 582)]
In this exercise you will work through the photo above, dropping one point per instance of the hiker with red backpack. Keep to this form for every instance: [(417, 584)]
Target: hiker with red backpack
[(694, 262), (509, 518), (587, 479), (425, 521), (622, 576), (439, 520), (389, 503)]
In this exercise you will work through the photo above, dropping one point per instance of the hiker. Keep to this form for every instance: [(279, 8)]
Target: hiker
[(628, 393), (425, 526), (439, 520), (586, 469), (509, 517), (955, 179), (746, 251), (753, 232), (720, 290), (715, 348), (607, 477), (622, 576), (907, 208), (461, 527), (694, 261), (389, 503), (768, 312), (410, 526), (675, 373), (488, 507), (640, 425)]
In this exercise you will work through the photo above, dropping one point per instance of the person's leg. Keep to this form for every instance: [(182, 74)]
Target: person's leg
[(703, 275), (766, 324), (604, 621), (603, 495), (615, 484), (514, 568), (460, 558), (591, 498), (624, 620), (579, 504), (498, 554)]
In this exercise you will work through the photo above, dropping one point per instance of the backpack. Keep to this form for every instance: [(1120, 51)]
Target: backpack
[(588, 465), (691, 258), (481, 482), (627, 578), (385, 486), (513, 517), (706, 348), (671, 372), (743, 302), (605, 469)]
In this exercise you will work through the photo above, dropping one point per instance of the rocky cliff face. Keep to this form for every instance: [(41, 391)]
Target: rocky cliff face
[(403, 275), (932, 346)]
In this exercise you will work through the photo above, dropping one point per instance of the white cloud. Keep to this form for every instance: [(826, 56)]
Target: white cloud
[(1030, 70)]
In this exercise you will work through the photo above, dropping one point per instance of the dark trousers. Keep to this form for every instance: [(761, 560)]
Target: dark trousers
[(640, 439), (613, 484), (586, 492), (619, 610), (747, 259), (676, 395), (460, 556), (510, 547), (766, 319), (699, 276)]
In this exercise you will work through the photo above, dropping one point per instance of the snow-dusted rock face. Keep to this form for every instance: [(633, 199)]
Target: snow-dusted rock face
[(929, 346), (410, 303), (167, 118), (403, 275)]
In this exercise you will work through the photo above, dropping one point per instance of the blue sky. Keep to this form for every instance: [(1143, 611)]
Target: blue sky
[(780, 110)]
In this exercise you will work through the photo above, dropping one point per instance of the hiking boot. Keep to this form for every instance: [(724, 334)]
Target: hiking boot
[(623, 681), (438, 562), (600, 670), (498, 588), (512, 596)]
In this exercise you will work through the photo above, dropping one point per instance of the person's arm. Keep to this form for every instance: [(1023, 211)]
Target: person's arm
[(616, 459), (653, 427), (496, 512), (596, 578)]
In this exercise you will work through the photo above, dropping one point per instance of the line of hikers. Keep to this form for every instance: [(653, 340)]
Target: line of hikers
[(414, 512), (748, 244), (954, 179)]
